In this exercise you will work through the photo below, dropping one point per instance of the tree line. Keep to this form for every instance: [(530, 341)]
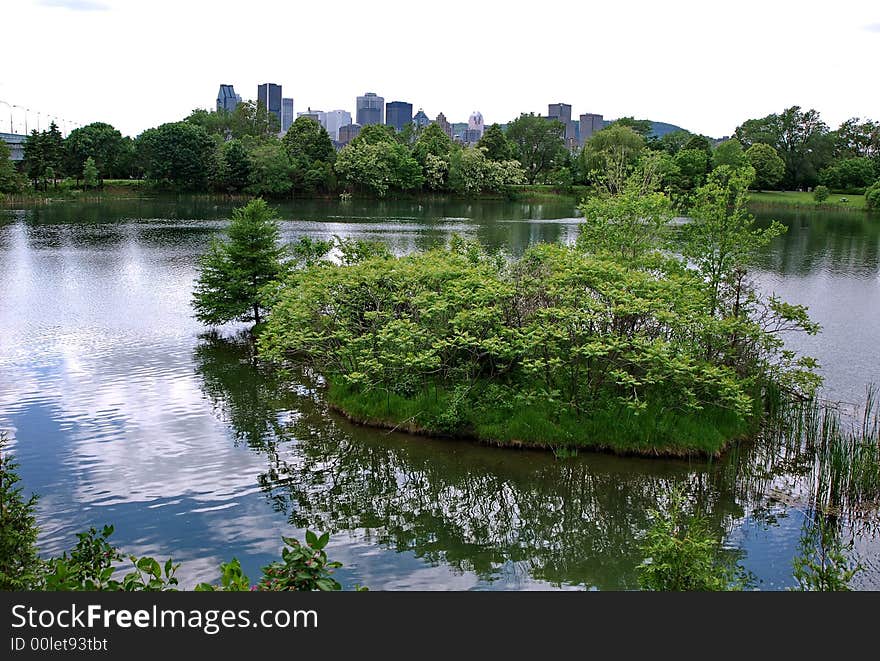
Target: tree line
[(241, 152)]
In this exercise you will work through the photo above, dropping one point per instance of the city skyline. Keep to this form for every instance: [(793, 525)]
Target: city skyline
[(717, 68)]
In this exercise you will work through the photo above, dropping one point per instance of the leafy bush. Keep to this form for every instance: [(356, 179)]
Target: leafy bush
[(822, 564), (19, 563), (683, 555), (821, 193), (872, 196)]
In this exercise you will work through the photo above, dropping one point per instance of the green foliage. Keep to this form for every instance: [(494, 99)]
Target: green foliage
[(311, 155), (302, 567), (269, 170), (90, 174), (730, 153), (249, 120), (821, 193), (90, 566), (850, 174), (97, 141), (432, 141), (498, 147), (19, 564), (611, 156), (539, 145), (232, 579), (872, 196), (9, 182), (769, 168), (378, 165), (233, 274), (471, 172), (640, 126), (822, 564), (682, 554), (176, 155), (44, 152)]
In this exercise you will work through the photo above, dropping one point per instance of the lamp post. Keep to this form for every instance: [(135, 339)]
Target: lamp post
[(9, 105)]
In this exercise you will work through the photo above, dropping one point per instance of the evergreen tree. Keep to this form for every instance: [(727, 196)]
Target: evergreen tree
[(8, 175), (234, 272)]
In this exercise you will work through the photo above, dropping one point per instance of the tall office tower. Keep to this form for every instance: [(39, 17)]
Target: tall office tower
[(347, 133), (370, 109), (334, 120), (475, 125), (398, 114), (269, 94), (444, 124), (227, 99), (421, 119), (590, 125), (318, 115), (562, 112), (286, 114)]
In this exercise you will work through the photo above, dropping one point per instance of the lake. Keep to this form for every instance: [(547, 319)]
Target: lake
[(123, 409)]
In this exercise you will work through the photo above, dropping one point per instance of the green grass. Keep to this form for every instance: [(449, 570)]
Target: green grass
[(799, 199), (611, 426), (547, 193)]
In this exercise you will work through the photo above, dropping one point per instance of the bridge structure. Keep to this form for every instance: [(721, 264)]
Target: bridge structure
[(15, 142)]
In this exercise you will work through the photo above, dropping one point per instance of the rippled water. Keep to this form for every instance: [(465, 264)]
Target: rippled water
[(124, 410)]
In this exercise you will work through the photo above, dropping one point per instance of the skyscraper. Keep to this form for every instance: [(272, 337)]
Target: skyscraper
[(370, 109), (562, 113), (286, 114), (475, 128), (347, 133), (421, 119), (269, 94), (335, 119), (398, 114), (227, 99), (590, 125), (444, 124)]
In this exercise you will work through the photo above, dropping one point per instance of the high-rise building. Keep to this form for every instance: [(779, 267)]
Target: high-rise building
[(562, 113), (318, 115), (444, 124), (347, 133), (227, 99), (398, 114), (286, 114), (475, 128), (334, 120), (370, 109), (269, 94), (421, 119), (590, 124)]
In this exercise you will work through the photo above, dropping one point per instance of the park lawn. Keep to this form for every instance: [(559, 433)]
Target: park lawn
[(797, 198)]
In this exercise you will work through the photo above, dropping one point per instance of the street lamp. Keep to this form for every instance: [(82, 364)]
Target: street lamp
[(9, 105)]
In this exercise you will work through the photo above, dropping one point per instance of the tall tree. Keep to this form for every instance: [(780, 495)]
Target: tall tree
[(769, 167), (432, 140), (176, 154), (8, 174), (311, 154), (497, 145), (539, 145), (610, 157), (98, 141), (730, 152), (234, 273), (90, 173)]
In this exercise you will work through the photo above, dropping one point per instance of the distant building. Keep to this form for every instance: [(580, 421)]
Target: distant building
[(269, 94), (347, 133), (562, 113), (334, 120), (15, 142), (398, 114), (318, 115), (370, 109), (286, 114), (590, 124), (227, 99), (421, 119), (475, 122), (444, 124)]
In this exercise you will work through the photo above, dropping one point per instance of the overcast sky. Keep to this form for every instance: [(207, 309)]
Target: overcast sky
[(706, 66)]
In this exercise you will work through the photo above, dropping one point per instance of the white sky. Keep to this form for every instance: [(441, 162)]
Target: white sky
[(706, 66)]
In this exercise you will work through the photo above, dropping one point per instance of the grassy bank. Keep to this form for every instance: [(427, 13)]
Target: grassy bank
[(834, 202), (610, 426)]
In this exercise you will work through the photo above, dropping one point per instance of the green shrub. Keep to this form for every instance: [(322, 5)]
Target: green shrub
[(872, 196), (19, 563), (821, 193)]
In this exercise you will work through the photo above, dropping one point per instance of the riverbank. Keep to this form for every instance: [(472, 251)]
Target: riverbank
[(835, 202)]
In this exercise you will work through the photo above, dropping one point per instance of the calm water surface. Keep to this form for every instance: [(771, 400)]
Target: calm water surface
[(124, 410)]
